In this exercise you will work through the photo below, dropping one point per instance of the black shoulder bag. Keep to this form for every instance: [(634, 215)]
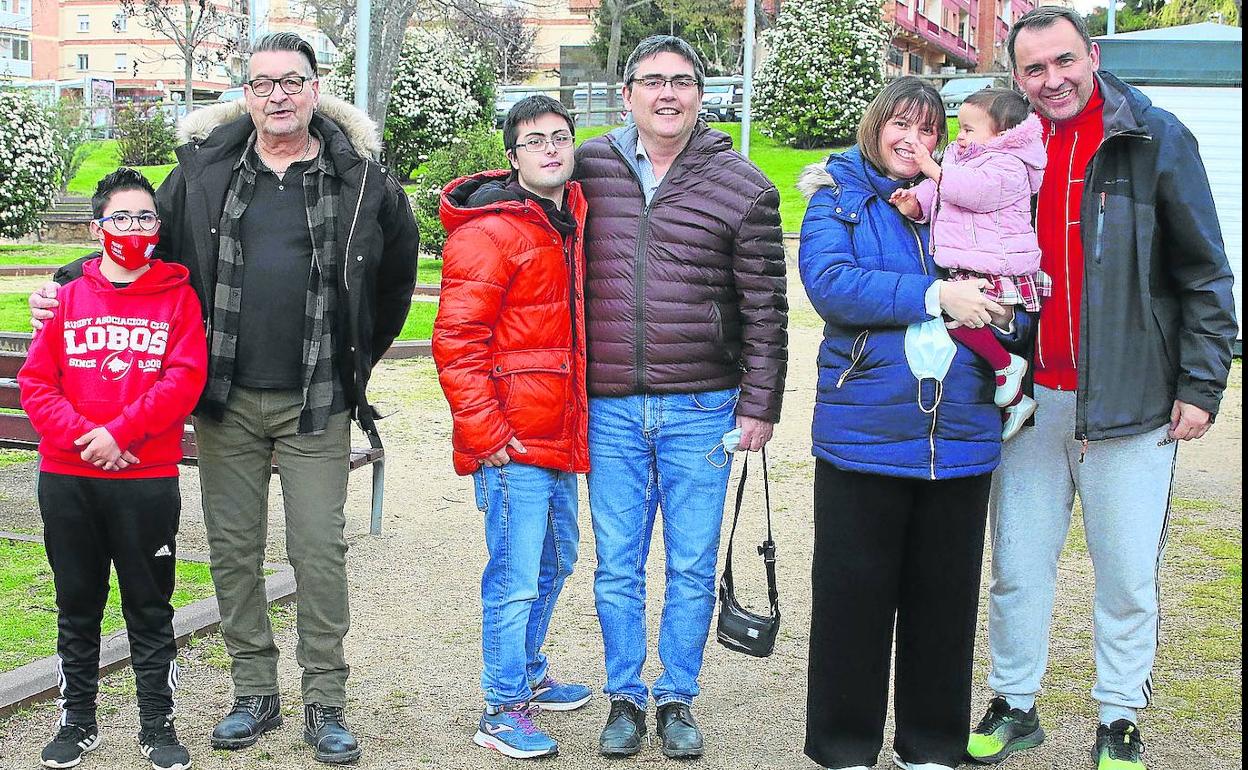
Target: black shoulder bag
[(738, 628)]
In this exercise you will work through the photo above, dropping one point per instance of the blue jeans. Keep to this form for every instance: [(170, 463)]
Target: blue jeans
[(531, 534), (649, 452)]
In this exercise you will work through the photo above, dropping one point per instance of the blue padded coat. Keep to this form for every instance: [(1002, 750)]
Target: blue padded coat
[(866, 269)]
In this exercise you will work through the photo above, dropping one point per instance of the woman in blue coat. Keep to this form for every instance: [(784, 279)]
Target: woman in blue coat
[(905, 438)]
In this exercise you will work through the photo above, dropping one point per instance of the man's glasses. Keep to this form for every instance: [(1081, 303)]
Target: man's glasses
[(656, 82), (123, 222), (538, 143), (291, 85)]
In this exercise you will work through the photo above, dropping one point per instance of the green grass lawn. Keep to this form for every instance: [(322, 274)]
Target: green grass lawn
[(429, 270), (14, 312), (419, 324), (102, 159), (28, 601), (41, 254)]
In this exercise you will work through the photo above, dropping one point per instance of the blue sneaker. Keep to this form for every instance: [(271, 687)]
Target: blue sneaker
[(510, 731), (553, 695)]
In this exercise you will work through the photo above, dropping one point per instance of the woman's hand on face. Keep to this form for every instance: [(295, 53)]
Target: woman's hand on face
[(965, 302)]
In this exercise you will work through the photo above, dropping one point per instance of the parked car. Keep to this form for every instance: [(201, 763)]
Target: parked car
[(504, 101), (955, 91), (231, 94), (721, 102)]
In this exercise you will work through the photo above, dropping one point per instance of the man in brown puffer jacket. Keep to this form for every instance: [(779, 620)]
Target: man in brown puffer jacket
[(685, 316)]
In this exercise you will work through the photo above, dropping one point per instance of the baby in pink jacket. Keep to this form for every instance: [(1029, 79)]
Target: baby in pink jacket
[(979, 206)]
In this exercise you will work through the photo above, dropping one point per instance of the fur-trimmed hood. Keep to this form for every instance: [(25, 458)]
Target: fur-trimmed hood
[(355, 124), (1024, 141)]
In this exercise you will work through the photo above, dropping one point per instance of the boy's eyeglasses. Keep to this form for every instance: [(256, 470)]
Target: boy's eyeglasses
[(538, 143), (123, 222), (291, 85), (656, 82)]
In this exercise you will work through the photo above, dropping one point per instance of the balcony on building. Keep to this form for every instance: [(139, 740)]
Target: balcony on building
[(945, 25)]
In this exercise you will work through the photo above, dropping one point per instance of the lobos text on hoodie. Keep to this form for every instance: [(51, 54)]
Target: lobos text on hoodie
[(132, 359), (981, 209)]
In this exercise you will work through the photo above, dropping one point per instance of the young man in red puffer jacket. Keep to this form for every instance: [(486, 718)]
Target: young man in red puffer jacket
[(509, 344)]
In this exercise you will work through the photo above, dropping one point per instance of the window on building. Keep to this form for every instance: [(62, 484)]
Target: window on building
[(13, 47), (964, 26), (931, 9), (121, 62), (84, 63), (120, 21), (1007, 11), (84, 22), (916, 64), (23, 7), (6, 6), (895, 56)]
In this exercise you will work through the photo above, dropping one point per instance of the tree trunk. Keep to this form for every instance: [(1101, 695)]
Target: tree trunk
[(188, 55), (613, 53), (389, 25)]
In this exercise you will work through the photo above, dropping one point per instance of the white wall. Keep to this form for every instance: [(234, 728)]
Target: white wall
[(1216, 117)]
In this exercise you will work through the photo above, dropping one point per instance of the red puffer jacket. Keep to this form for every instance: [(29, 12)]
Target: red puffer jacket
[(509, 339)]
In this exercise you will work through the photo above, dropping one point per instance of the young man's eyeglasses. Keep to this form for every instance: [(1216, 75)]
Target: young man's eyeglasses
[(538, 143), (291, 85), (656, 82), (124, 222)]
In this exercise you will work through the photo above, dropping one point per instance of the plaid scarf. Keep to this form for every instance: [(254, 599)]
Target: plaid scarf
[(319, 379)]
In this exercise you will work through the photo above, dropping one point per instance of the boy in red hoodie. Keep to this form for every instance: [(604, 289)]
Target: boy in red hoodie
[(108, 383)]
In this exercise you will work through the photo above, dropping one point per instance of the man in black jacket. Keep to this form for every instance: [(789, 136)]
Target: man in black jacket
[(1131, 355), (302, 250)]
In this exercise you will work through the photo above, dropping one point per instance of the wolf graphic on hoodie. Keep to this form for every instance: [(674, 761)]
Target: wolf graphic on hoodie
[(131, 358)]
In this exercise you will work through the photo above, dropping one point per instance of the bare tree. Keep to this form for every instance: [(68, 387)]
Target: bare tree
[(503, 36), (202, 33)]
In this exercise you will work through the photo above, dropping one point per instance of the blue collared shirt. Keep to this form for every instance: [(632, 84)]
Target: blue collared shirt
[(635, 154)]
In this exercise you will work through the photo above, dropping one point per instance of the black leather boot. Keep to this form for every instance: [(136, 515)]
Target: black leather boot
[(325, 729), (252, 716)]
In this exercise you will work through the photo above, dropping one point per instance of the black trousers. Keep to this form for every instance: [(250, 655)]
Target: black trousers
[(89, 523), (893, 550)]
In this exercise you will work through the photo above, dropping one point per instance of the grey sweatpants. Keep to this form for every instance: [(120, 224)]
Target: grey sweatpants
[(1124, 487)]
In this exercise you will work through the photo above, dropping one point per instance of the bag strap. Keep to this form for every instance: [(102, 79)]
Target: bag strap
[(768, 548)]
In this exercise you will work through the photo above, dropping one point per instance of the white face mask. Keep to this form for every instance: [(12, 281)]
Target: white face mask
[(929, 349)]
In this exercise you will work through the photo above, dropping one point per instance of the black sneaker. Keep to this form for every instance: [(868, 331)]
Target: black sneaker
[(69, 744), (1002, 732), (626, 726), (159, 743), (325, 729), (252, 716), (1118, 746), (679, 732)]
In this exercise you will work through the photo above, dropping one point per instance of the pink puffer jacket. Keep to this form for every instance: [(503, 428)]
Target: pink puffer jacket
[(981, 209)]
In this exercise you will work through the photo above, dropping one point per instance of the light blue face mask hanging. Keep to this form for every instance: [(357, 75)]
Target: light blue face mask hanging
[(929, 353)]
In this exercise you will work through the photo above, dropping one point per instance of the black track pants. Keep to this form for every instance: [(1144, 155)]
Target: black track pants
[(89, 523)]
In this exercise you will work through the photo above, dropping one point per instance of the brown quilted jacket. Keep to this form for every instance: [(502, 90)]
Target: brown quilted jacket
[(687, 294)]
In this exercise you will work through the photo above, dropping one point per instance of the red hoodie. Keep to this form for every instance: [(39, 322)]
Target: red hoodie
[(1070, 146), (132, 359)]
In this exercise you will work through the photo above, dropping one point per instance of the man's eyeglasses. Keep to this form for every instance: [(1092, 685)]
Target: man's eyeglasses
[(123, 222), (656, 82), (538, 143), (291, 85)]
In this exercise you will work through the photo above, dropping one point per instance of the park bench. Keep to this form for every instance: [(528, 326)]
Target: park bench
[(16, 432)]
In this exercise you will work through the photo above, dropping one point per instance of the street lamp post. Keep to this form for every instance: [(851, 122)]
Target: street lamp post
[(747, 85)]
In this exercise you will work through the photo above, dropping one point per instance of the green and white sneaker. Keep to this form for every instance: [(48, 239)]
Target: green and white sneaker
[(1002, 732), (1118, 747)]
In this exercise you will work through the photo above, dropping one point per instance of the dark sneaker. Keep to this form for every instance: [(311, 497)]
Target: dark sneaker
[(510, 731), (626, 726), (69, 744), (325, 729), (159, 743), (251, 717), (1002, 732), (1118, 747), (679, 731), (553, 695)]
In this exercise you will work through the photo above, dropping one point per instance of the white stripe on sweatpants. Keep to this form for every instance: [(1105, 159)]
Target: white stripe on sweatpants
[(1124, 487)]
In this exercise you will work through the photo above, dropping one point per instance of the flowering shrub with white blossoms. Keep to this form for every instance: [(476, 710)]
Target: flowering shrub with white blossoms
[(826, 65), (439, 88), (29, 164), (477, 149)]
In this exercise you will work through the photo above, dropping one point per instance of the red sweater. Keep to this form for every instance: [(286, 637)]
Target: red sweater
[(132, 359), (1070, 146)]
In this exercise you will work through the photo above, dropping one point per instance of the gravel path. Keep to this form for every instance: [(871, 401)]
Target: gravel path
[(414, 642)]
